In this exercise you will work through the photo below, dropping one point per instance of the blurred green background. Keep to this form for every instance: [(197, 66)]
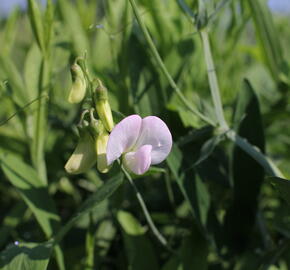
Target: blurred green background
[(222, 212)]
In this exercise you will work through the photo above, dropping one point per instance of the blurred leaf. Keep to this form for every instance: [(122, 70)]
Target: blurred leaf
[(192, 187), (74, 26), (248, 260), (15, 80), (208, 147), (32, 72), (139, 249), (10, 31), (33, 191), (282, 186), (11, 220), (37, 24), (247, 174), (268, 35), (48, 23), (91, 204), (25, 256), (191, 255)]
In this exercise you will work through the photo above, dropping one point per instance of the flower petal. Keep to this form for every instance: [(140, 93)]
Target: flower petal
[(123, 137), (138, 162), (156, 133)]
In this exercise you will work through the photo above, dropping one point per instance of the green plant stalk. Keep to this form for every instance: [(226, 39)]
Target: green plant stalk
[(250, 149), (213, 82), (151, 224), (41, 123), (163, 68)]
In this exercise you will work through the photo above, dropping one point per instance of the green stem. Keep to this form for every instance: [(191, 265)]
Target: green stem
[(163, 68), (246, 146), (41, 123), (212, 78), (151, 224)]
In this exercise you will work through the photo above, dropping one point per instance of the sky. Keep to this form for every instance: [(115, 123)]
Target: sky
[(280, 6)]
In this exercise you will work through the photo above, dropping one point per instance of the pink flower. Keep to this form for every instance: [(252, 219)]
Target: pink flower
[(141, 142)]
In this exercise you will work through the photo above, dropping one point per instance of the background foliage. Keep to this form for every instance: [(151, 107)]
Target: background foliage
[(216, 206)]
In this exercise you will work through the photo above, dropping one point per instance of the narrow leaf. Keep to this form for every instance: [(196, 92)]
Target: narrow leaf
[(269, 38), (36, 23)]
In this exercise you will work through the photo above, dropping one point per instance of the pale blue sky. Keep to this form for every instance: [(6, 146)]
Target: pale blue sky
[(281, 6)]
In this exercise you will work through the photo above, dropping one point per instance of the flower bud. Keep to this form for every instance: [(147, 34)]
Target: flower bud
[(84, 156), (103, 107), (78, 88), (101, 148)]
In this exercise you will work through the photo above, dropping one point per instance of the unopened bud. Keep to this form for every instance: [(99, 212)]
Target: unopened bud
[(84, 156), (101, 148), (103, 107), (78, 88)]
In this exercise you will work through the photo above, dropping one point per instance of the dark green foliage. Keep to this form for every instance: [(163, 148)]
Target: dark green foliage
[(209, 199), (247, 174)]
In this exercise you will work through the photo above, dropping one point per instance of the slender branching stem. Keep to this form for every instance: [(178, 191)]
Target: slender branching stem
[(163, 68)]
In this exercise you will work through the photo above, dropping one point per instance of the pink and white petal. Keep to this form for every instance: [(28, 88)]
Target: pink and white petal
[(138, 162), (156, 133), (123, 136)]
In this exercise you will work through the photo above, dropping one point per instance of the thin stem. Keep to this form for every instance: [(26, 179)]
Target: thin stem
[(213, 82), (151, 224), (163, 68), (215, 92)]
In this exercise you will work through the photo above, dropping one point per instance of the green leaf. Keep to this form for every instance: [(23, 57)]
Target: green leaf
[(248, 260), (15, 80), (11, 221), (74, 26), (48, 23), (35, 18), (33, 191), (139, 249), (192, 187), (32, 72), (268, 35), (282, 186), (208, 147), (247, 174), (192, 254), (104, 192), (26, 256), (10, 31)]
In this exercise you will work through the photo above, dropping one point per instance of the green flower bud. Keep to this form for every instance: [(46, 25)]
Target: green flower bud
[(84, 156), (103, 107), (101, 148), (78, 89)]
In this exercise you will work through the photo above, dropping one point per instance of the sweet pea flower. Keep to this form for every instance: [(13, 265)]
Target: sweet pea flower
[(141, 143)]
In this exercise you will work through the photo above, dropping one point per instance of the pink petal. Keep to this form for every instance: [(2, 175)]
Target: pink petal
[(123, 137), (156, 133), (138, 162)]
